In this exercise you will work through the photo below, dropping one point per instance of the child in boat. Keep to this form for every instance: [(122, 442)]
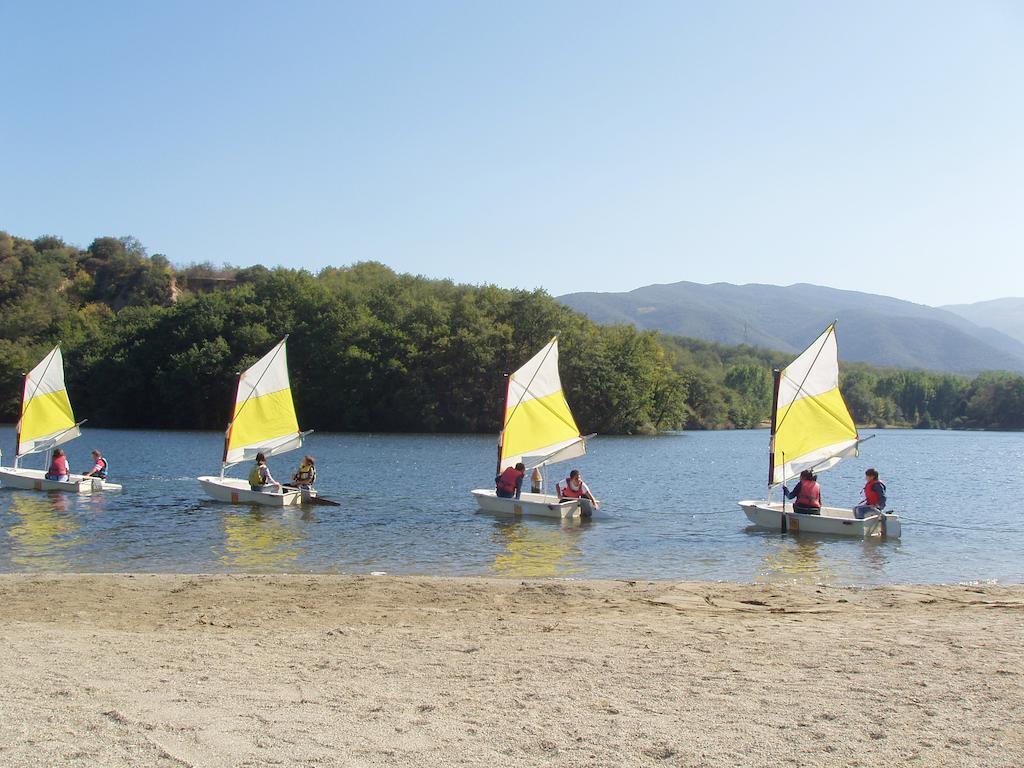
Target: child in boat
[(306, 475), (806, 494), (575, 488), (260, 478), (58, 466), (509, 484), (874, 495), (99, 466)]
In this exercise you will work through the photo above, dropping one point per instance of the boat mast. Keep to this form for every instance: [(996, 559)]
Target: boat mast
[(501, 433), (21, 416), (777, 377), (231, 423)]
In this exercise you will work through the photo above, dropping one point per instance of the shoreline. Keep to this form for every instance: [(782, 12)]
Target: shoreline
[(226, 670), (794, 582)]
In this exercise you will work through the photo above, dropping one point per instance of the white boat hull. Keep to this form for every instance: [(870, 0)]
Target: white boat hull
[(532, 504), (35, 480), (834, 521), (234, 490)]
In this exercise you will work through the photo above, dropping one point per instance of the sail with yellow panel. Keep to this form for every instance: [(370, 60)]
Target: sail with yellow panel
[(46, 419), (263, 419), (537, 429), (538, 426), (812, 429), (811, 426)]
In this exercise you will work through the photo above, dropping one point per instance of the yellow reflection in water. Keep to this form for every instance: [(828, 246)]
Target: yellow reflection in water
[(544, 549), (258, 540), (44, 531), (795, 559)]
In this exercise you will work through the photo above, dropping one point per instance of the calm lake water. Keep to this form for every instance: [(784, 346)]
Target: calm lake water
[(406, 509)]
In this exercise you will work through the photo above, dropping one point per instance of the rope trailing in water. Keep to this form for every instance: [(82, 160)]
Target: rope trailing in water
[(904, 518)]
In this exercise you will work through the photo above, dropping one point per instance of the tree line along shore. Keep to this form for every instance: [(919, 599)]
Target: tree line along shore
[(151, 345)]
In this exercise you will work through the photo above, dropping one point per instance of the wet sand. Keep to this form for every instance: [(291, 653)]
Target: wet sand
[(177, 670)]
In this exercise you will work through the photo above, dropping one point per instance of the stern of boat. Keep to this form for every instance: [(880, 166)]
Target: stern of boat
[(893, 526)]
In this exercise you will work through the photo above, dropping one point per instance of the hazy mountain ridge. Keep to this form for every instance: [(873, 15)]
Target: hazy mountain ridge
[(1003, 315), (875, 329)]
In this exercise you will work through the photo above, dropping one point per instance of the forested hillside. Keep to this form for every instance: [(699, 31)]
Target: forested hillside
[(150, 345)]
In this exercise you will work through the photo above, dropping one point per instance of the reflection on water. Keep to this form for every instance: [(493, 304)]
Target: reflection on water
[(876, 552), (43, 531), (821, 559), (537, 549), (405, 509), (259, 539), (99, 501), (793, 559)]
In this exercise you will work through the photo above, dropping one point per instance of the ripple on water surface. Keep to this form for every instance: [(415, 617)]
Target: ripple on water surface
[(406, 509)]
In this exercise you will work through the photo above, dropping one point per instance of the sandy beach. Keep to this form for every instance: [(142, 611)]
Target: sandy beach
[(178, 670)]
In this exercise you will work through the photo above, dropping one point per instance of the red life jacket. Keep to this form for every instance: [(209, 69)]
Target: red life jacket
[(871, 495), (59, 466), (568, 492), (809, 494), (508, 479)]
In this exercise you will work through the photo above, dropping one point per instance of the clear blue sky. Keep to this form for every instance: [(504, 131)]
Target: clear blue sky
[(566, 145)]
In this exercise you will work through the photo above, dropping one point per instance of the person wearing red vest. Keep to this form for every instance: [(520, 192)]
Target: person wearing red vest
[(99, 466), (58, 467), (806, 494), (509, 484), (874, 495), (575, 488)]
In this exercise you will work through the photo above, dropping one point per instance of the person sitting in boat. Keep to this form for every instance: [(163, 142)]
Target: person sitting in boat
[(260, 478), (306, 475), (99, 467), (575, 488), (509, 484), (806, 494), (874, 495), (58, 467)]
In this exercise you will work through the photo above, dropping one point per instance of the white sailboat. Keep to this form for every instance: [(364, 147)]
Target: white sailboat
[(47, 422), (263, 421), (812, 429), (538, 429)]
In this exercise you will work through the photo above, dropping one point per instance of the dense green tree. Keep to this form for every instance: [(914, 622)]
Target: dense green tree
[(123, 275), (996, 400), (751, 387), (151, 346)]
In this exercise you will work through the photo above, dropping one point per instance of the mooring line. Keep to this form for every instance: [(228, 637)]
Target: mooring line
[(959, 527)]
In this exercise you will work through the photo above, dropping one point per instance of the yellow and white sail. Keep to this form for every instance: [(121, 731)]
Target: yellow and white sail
[(813, 427), (264, 418), (538, 427), (46, 416)]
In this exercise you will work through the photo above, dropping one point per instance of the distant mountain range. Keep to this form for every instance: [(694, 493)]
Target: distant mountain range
[(1006, 315), (873, 329)]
